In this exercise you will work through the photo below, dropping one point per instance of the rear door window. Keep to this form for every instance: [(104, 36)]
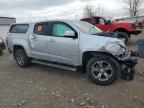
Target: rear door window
[(41, 29), (23, 28), (19, 28)]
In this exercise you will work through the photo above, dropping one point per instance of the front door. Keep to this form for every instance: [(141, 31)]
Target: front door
[(63, 49)]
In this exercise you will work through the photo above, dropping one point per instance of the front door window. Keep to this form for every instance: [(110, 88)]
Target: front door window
[(59, 29)]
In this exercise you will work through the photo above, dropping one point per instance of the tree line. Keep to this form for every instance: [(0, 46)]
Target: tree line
[(132, 7)]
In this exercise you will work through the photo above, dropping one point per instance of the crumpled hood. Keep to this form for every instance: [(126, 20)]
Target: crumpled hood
[(99, 39), (100, 43), (119, 36)]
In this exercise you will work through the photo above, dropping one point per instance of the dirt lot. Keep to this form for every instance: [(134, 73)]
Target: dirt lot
[(45, 87)]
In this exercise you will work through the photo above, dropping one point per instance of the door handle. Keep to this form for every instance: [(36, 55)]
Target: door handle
[(34, 37)]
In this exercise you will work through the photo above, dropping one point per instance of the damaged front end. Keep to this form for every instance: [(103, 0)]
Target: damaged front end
[(128, 64), (126, 58)]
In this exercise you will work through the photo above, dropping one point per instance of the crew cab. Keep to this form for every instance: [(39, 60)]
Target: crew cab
[(72, 45), (2, 46), (126, 27)]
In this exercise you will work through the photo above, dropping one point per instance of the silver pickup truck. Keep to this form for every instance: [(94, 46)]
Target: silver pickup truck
[(72, 45)]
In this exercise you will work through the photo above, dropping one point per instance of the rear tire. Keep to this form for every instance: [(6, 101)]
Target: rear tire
[(102, 70), (21, 58)]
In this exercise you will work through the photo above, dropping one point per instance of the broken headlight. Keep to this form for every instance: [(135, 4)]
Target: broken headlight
[(115, 48), (125, 50)]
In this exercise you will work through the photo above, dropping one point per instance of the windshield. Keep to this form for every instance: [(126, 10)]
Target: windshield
[(86, 27)]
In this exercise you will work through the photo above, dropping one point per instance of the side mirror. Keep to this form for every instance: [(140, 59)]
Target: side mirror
[(69, 34)]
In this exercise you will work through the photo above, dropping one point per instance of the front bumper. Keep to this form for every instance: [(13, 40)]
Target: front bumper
[(128, 66)]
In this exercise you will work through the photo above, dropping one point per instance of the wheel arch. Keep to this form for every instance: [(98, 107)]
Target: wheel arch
[(16, 47), (122, 30), (22, 45), (89, 54)]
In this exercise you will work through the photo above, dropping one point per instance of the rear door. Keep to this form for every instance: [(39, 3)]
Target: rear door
[(39, 41), (63, 49)]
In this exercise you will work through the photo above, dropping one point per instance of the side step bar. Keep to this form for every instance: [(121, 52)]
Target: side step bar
[(61, 66)]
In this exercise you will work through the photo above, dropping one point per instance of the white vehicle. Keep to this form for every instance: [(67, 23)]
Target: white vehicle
[(72, 45)]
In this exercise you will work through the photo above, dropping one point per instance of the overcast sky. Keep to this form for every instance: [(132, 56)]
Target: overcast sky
[(32, 10)]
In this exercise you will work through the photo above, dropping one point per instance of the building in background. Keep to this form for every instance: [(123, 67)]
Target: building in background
[(5, 23)]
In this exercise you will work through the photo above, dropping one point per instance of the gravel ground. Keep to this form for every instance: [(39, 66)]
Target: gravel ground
[(45, 87)]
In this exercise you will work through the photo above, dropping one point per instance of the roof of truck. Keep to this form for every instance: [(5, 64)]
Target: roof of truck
[(43, 21)]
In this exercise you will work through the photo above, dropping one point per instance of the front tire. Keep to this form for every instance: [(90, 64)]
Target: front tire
[(101, 70), (21, 58)]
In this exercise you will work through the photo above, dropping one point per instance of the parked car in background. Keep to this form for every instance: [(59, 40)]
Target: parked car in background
[(2, 46), (126, 28), (72, 45)]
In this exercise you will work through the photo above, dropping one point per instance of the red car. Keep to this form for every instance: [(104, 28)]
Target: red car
[(128, 28)]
